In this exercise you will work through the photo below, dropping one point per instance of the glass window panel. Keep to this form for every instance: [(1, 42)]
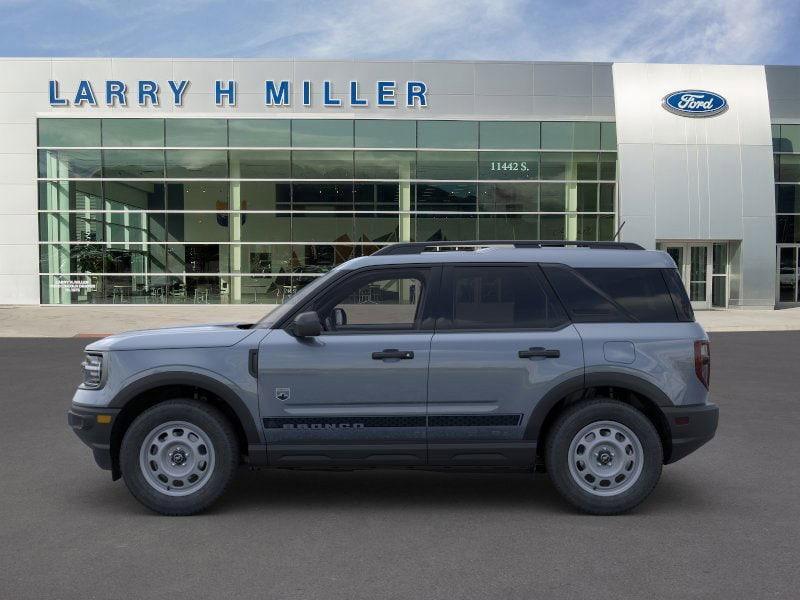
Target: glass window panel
[(509, 165), (586, 167), (447, 134), (263, 195), (718, 292), (322, 227), (557, 135), (790, 138), (587, 228), (264, 133), (71, 258), (135, 258), (147, 164), (608, 166), (134, 195), (63, 164), (378, 303), (787, 229), (381, 133), (776, 138), (322, 133), (198, 195), (508, 197), (508, 227), (197, 163), (133, 132), (198, 227), (552, 227), (789, 170), (69, 132), (77, 227), (294, 258), (605, 228), (260, 164), (447, 165), (198, 258), (587, 197), (606, 197), (266, 227), (556, 165), (509, 134), (270, 289), (322, 164), (587, 136), (385, 165), (197, 133), (787, 277), (382, 196), (720, 259), (322, 196), (134, 227), (377, 227), (198, 290), (787, 198), (70, 195), (608, 136), (444, 228), (460, 197), (552, 197)]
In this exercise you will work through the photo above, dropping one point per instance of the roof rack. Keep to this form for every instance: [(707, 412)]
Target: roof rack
[(420, 247)]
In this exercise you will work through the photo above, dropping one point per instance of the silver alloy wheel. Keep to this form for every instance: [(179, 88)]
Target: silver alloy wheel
[(605, 458), (177, 458)]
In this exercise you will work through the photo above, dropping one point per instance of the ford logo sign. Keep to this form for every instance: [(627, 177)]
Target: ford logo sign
[(695, 103)]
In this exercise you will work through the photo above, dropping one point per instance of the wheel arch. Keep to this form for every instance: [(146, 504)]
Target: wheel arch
[(153, 389), (632, 390)]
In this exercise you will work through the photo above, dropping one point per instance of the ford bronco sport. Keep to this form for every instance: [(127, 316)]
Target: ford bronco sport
[(582, 359)]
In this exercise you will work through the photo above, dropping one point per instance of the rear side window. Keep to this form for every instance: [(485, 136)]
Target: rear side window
[(493, 297), (641, 292), (679, 297), (585, 302)]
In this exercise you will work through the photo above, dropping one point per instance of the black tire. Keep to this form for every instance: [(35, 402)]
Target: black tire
[(221, 437), (557, 456)]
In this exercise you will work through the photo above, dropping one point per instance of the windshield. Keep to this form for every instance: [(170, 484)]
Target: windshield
[(295, 299)]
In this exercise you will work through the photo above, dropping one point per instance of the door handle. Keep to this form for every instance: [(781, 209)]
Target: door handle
[(393, 353), (539, 352)]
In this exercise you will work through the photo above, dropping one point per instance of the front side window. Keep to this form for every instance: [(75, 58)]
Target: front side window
[(377, 301), (491, 297)]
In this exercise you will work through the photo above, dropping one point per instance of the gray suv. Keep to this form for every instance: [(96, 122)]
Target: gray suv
[(581, 359)]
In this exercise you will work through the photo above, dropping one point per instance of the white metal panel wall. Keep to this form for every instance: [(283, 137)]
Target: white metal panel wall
[(699, 178)]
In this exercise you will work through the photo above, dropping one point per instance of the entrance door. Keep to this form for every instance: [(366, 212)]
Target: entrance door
[(693, 260)]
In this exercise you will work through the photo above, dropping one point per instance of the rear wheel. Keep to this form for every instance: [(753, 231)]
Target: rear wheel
[(604, 456), (178, 457)]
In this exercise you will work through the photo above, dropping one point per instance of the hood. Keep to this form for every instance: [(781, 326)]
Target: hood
[(191, 336)]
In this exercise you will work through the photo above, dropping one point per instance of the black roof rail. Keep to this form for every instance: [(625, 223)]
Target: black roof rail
[(420, 247)]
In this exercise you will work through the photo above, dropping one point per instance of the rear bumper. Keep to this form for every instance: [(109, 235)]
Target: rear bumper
[(95, 434), (690, 427)]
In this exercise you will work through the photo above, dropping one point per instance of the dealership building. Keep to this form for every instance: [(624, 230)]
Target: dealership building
[(181, 181)]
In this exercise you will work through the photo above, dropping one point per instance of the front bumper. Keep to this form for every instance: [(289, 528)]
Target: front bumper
[(690, 427), (93, 426)]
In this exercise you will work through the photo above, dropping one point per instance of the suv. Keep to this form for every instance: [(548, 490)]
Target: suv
[(581, 359)]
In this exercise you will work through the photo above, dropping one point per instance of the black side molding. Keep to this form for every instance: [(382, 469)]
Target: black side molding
[(252, 362)]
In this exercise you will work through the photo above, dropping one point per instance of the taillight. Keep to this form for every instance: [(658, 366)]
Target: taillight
[(702, 361)]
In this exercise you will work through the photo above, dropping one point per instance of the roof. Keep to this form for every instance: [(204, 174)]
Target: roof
[(578, 257)]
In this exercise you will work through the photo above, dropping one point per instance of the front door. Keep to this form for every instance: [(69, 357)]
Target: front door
[(357, 393), (502, 342)]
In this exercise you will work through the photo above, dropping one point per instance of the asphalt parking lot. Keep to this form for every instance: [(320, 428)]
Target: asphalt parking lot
[(723, 523)]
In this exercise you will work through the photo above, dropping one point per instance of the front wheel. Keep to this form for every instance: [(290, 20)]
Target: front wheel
[(178, 457), (604, 456)]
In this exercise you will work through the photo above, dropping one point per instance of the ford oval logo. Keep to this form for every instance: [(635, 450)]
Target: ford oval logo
[(695, 103)]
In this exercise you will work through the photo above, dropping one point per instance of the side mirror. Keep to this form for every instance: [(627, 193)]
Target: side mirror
[(339, 317), (306, 325)]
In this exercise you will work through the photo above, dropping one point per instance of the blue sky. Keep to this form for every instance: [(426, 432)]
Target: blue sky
[(712, 31)]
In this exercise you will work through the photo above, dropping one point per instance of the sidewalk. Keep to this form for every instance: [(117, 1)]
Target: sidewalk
[(98, 321)]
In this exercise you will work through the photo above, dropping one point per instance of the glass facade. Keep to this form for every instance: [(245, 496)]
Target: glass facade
[(786, 148), (184, 210)]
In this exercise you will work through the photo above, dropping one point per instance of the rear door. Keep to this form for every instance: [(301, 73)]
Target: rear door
[(357, 393), (502, 342)]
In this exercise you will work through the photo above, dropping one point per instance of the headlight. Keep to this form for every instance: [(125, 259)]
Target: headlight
[(93, 371)]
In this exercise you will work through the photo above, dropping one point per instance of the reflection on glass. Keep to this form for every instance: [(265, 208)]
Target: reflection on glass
[(197, 164), (133, 132), (509, 165), (446, 197), (63, 164), (445, 227), (322, 227), (322, 133), (65, 133), (384, 133), (322, 196), (508, 227), (260, 164), (259, 133), (198, 195), (322, 164), (508, 197), (509, 134), (385, 165), (447, 165), (447, 134), (197, 133), (124, 164)]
